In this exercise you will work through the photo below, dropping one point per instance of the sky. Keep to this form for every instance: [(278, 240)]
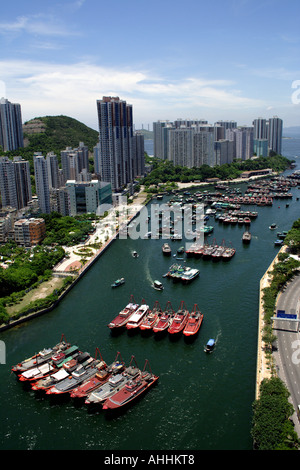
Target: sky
[(215, 60)]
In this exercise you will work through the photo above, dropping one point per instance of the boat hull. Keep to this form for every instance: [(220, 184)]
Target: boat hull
[(125, 397), (193, 326)]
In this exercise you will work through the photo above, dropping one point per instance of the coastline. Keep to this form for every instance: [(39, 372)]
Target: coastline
[(262, 368)]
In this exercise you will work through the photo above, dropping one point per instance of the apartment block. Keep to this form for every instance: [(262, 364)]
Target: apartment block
[(29, 232)]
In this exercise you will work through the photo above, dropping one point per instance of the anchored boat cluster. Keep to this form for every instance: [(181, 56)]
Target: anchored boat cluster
[(140, 317), (64, 371)]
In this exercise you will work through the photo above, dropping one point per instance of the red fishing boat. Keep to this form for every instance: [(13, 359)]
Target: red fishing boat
[(131, 391), (194, 322), (124, 315), (100, 378), (151, 318), (179, 320), (164, 319), (137, 317)]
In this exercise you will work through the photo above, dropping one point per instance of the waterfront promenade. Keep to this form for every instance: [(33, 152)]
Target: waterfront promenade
[(263, 370)]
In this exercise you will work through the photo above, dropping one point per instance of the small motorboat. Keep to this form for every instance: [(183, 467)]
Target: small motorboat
[(158, 285), (246, 237), (210, 345), (166, 249), (273, 226), (135, 254), (118, 282)]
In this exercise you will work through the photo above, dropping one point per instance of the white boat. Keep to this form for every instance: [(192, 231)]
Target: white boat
[(190, 274), (137, 318), (158, 285)]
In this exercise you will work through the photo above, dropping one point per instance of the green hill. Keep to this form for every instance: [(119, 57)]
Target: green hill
[(55, 133)]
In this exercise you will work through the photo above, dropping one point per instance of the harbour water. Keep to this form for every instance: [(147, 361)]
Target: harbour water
[(201, 401)]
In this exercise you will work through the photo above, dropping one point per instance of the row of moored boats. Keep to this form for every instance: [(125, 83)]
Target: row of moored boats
[(211, 251), (157, 320), (63, 370)]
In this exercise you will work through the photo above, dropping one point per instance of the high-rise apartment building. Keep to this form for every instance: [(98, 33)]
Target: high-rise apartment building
[(138, 154), (11, 132), (52, 169), (260, 128), (275, 134), (15, 183), (181, 148), (115, 142), (204, 147), (74, 161), (42, 183), (224, 151)]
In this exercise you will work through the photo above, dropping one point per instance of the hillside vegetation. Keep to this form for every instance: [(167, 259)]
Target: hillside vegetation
[(53, 134), (57, 133)]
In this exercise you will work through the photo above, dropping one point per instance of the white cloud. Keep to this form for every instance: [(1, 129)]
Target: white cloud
[(44, 88), (38, 24)]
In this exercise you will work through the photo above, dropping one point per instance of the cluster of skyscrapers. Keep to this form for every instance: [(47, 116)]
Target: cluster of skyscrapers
[(67, 186), (193, 143)]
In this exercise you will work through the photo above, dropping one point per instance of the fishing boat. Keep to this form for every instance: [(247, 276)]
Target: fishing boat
[(281, 235), (118, 282), (44, 370), (151, 317), (228, 253), (246, 238), (99, 379), (41, 357), (60, 374), (278, 242), (179, 320), (113, 385), (158, 285), (218, 252), (137, 317), (273, 226), (189, 275), (164, 319), (131, 391), (208, 251), (166, 249), (194, 322), (124, 315), (210, 346), (37, 373), (86, 369), (191, 250)]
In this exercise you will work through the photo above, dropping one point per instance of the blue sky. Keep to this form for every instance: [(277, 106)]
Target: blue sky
[(224, 59)]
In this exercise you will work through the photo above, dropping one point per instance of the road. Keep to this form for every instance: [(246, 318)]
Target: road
[(287, 356)]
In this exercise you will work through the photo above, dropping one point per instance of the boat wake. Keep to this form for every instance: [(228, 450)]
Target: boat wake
[(147, 272)]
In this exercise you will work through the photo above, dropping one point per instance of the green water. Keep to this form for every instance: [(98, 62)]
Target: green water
[(201, 401)]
